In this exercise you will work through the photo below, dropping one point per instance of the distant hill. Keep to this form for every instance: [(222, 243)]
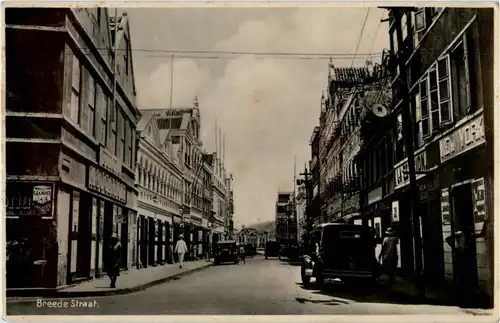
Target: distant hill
[(267, 226)]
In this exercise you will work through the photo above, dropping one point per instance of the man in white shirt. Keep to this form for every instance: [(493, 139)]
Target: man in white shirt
[(181, 249)]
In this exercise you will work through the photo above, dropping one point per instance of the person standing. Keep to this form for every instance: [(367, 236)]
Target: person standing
[(242, 254), (389, 254), (114, 259), (181, 249)]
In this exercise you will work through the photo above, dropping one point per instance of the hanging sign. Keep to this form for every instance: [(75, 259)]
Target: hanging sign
[(478, 200), (445, 206), (395, 211)]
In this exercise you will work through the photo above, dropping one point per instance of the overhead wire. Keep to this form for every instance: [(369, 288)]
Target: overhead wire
[(360, 36)]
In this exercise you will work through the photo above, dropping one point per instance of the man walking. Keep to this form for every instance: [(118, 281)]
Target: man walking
[(181, 249), (113, 260), (242, 254), (389, 254)]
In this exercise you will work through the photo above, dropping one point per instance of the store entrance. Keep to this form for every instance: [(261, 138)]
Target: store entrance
[(464, 251)]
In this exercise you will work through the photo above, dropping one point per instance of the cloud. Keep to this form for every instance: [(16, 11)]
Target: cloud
[(268, 106), (153, 90)]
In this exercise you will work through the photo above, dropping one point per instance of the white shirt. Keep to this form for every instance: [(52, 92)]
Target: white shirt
[(180, 247)]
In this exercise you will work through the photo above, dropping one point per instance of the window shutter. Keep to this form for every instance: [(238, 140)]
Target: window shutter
[(467, 76), (424, 106), (433, 100), (444, 90), (420, 20)]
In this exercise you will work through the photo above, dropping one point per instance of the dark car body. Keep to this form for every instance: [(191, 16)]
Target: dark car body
[(273, 249), (226, 251), (346, 252)]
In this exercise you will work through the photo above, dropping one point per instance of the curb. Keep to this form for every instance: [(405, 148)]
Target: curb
[(121, 291)]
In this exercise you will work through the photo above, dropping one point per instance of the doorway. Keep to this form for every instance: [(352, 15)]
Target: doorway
[(465, 274)]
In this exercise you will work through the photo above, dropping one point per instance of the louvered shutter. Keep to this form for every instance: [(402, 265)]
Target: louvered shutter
[(424, 105), (434, 101), (467, 76), (444, 87)]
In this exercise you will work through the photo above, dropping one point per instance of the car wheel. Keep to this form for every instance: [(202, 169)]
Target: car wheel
[(266, 257)]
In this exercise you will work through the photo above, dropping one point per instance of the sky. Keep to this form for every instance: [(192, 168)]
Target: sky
[(267, 106)]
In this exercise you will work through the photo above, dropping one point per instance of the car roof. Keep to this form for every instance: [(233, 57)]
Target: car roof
[(226, 242)]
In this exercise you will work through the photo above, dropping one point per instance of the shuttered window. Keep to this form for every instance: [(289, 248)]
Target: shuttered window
[(444, 84), (433, 100), (424, 106), (420, 20)]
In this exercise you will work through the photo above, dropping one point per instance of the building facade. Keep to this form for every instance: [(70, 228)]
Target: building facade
[(70, 144), (448, 60), (159, 182), (300, 211), (282, 219)]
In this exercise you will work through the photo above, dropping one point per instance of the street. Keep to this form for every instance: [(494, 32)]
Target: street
[(259, 287)]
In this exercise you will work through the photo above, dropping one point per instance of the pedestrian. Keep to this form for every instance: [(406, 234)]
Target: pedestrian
[(242, 254), (389, 254), (208, 252), (181, 249), (114, 259)]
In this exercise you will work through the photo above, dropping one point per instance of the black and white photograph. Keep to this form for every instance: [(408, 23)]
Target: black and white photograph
[(224, 158)]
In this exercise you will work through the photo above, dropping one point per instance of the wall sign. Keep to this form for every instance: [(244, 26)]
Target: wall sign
[(105, 184), (464, 138), (478, 200), (351, 204), (375, 195), (445, 206), (401, 176), (29, 199), (395, 211)]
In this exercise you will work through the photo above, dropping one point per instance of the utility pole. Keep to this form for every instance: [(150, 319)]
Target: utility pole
[(409, 138)]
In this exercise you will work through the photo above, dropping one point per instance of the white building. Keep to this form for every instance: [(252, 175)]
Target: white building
[(160, 185), (220, 198)]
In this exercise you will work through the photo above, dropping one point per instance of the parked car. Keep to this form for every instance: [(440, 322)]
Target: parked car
[(226, 251), (273, 249), (346, 252)]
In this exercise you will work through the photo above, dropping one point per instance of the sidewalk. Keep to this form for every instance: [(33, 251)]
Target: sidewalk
[(130, 281)]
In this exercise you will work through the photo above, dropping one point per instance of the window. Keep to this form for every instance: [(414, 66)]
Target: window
[(125, 55), (433, 101), (112, 138), (420, 20), (127, 152), (130, 159), (404, 26), (424, 108), (88, 110), (102, 105), (120, 150), (461, 82), (75, 89), (400, 148), (418, 121)]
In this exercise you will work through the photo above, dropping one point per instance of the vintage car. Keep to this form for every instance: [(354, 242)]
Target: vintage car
[(226, 251), (273, 249), (346, 252)]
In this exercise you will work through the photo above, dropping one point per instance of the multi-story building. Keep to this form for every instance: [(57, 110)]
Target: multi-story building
[(70, 151), (184, 126), (282, 218), (230, 207), (448, 58), (159, 182), (313, 211), (220, 194)]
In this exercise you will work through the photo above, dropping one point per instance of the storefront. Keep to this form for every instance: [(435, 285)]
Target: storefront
[(32, 236), (463, 183)]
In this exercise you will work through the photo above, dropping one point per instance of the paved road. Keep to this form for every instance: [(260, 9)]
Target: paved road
[(262, 287)]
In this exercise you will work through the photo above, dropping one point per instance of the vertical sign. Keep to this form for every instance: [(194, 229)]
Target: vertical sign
[(478, 200), (395, 211), (445, 206)]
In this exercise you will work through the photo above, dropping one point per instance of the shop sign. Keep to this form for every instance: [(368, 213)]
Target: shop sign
[(478, 200), (464, 138), (401, 175), (395, 211), (108, 161), (29, 199), (375, 195), (351, 204), (105, 184), (445, 206)]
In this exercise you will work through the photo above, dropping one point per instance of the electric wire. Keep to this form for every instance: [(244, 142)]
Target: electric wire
[(360, 36)]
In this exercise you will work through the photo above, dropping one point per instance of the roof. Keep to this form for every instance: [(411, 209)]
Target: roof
[(146, 116), (226, 241), (349, 75)]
